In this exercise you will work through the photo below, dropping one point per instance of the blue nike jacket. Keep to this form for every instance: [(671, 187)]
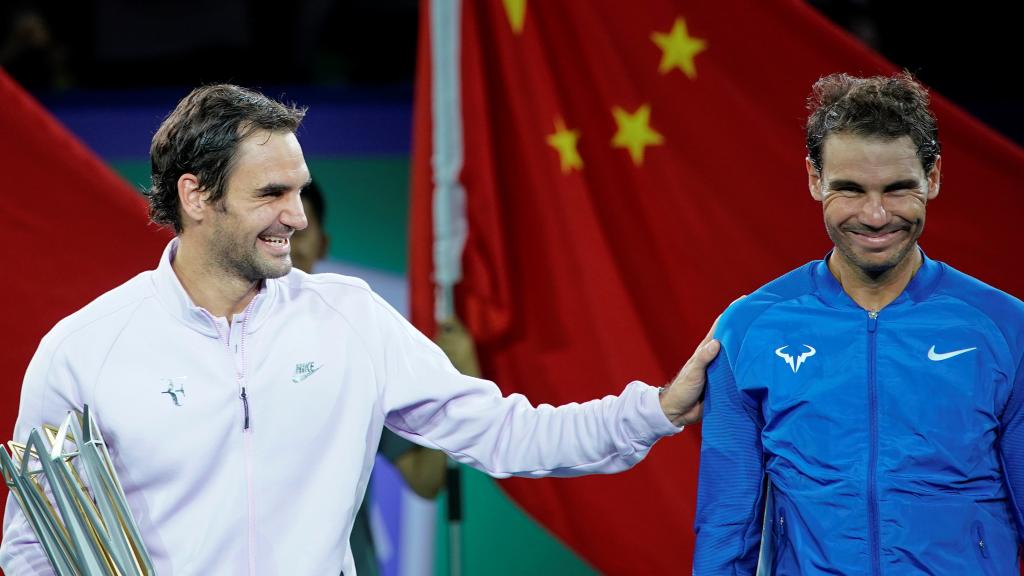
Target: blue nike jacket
[(891, 442)]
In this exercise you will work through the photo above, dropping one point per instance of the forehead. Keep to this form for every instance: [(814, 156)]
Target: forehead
[(860, 158), (265, 157)]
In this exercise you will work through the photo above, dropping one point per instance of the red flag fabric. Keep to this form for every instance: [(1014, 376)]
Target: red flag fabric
[(629, 170), (70, 229)]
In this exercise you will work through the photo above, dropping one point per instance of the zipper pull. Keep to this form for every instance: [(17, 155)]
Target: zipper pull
[(245, 408), (979, 535), (872, 320)]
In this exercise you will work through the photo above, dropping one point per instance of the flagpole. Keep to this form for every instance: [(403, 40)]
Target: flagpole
[(448, 206)]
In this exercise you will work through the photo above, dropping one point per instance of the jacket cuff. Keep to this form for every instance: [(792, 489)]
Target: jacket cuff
[(658, 425)]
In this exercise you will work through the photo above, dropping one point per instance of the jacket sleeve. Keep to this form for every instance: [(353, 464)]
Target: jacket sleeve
[(427, 401), (48, 392), (1011, 447), (730, 506)]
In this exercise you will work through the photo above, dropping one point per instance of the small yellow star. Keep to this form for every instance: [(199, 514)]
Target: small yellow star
[(564, 141), (516, 11), (678, 49), (635, 132)]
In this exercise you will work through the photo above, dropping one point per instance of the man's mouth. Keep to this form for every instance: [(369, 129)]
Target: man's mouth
[(876, 238), (274, 241)]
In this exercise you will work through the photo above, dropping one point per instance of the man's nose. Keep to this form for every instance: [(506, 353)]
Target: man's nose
[(872, 211), (294, 215)]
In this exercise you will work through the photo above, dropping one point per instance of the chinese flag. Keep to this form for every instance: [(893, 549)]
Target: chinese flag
[(629, 169), (70, 229)]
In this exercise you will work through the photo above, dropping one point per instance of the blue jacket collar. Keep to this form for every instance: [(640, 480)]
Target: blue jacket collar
[(921, 285)]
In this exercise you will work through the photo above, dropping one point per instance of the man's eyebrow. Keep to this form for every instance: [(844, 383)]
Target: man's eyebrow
[(275, 188), (272, 189), (903, 184), (837, 184)]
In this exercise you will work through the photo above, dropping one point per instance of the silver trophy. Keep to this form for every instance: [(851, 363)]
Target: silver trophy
[(65, 483)]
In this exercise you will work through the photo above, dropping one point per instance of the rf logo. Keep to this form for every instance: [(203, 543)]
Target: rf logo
[(175, 389)]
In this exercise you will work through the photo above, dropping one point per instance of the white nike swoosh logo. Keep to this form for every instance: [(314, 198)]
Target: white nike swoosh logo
[(938, 357)]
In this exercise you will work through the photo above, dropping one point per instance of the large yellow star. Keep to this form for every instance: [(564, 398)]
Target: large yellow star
[(516, 11), (678, 49), (564, 141), (635, 132)]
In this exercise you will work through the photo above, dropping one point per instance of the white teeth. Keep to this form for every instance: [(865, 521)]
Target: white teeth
[(274, 240)]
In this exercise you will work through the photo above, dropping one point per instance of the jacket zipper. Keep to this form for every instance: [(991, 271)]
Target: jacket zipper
[(875, 543), (247, 435), (979, 539), (780, 541), (245, 409), (240, 374)]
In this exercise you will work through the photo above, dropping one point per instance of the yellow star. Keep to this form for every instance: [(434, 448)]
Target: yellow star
[(635, 132), (564, 141), (516, 11), (678, 49)]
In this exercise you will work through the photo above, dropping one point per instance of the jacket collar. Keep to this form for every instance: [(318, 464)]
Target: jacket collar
[(921, 285), (173, 296)]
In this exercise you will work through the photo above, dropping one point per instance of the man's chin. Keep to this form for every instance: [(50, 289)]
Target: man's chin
[(874, 270), (279, 269), (268, 269), (876, 264)]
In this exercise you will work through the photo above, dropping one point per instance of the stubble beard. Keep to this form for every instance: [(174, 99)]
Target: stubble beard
[(237, 256), (873, 269), (245, 262)]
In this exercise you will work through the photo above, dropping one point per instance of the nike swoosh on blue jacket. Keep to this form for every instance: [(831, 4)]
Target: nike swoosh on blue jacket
[(878, 459)]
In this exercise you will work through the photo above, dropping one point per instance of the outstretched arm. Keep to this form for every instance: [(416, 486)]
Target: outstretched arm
[(428, 402)]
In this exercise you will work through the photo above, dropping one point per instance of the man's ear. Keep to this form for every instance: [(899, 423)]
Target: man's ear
[(813, 180), (935, 178), (191, 197)]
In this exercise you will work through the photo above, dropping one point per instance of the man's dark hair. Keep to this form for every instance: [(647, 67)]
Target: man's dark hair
[(886, 107), (316, 200), (201, 137)]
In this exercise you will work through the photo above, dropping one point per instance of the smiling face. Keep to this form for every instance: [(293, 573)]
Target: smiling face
[(247, 234), (873, 193)]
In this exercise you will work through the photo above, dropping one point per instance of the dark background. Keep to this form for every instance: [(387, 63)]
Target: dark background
[(967, 52)]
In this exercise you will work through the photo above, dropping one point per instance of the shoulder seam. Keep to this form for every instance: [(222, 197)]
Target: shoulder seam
[(362, 338), (58, 346), (987, 316), (113, 342)]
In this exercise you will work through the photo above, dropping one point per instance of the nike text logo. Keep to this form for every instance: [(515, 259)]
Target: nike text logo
[(938, 357), (305, 370)]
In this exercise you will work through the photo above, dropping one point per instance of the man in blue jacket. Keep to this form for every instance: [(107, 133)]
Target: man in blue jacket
[(872, 398)]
